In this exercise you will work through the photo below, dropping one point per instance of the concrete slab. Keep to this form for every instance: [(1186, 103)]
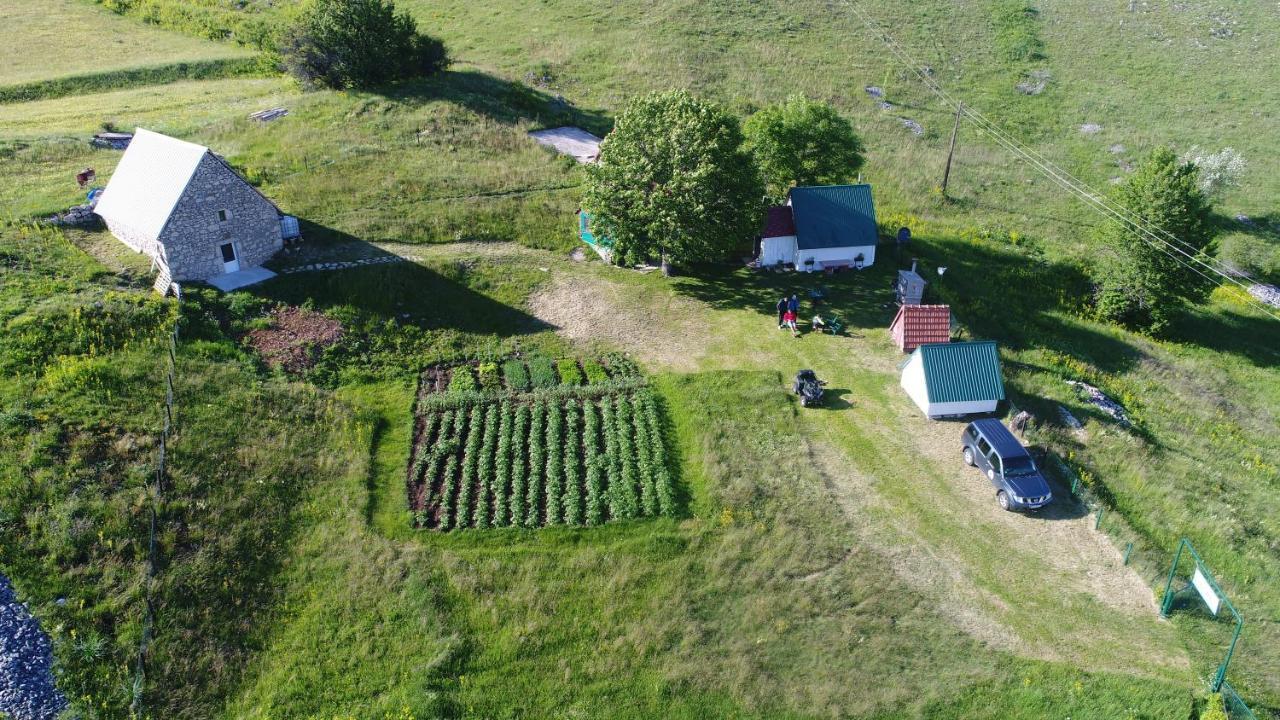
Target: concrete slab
[(569, 140), (241, 278)]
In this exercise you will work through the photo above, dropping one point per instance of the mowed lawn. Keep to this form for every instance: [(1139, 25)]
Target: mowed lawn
[(50, 39)]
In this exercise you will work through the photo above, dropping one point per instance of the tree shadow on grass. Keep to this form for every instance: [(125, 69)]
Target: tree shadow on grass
[(498, 99), (1255, 338), (391, 290), (859, 298)]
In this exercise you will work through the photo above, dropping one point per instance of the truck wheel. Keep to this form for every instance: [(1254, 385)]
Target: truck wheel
[(1003, 498), (803, 402), (968, 456)]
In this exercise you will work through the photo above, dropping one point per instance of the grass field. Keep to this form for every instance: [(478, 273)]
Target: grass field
[(61, 38), (832, 563)]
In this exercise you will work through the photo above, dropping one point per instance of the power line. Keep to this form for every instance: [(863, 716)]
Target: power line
[(1149, 233)]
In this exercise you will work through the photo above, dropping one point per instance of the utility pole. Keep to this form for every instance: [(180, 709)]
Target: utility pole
[(946, 174)]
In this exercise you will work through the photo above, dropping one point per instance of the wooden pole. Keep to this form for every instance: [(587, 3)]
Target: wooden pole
[(946, 174)]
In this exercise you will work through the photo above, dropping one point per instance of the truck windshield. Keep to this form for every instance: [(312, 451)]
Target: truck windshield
[(1019, 466)]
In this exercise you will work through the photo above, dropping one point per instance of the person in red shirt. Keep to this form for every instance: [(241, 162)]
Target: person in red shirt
[(789, 321)]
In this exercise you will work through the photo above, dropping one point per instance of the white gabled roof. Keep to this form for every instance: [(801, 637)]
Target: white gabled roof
[(149, 181)]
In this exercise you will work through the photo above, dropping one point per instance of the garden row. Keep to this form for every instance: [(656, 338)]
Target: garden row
[(527, 374), (546, 461)]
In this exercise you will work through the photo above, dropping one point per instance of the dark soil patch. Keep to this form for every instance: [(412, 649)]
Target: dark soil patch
[(295, 338)]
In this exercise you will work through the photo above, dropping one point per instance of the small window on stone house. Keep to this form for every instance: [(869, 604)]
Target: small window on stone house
[(223, 215)]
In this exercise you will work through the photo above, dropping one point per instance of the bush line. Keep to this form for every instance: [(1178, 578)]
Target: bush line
[(134, 77)]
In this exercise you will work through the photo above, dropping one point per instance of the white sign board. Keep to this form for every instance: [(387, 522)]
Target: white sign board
[(1206, 591)]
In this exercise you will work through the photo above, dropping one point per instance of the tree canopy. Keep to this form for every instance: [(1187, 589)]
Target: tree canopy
[(803, 142), (358, 43), (1141, 282), (674, 180)]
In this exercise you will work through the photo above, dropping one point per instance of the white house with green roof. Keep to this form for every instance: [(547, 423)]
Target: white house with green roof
[(951, 379), (822, 228)]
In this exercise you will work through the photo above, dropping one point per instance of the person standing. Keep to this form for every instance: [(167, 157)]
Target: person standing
[(794, 305), (782, 308)]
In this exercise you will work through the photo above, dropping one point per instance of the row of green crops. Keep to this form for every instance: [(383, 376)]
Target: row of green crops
[(552, 461), (539, 372)]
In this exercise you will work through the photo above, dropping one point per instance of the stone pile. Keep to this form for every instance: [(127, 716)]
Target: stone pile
[(27, 691)]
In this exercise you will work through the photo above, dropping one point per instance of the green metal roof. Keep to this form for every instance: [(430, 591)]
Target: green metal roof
[(834, 216), (962, 371)]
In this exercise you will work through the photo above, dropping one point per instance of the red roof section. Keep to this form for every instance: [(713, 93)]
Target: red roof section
[(917, 325), (779, 222)]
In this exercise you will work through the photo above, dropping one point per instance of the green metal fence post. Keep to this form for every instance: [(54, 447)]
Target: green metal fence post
[(1167, 603), (1098, 523), (1222, 669), (1128, 550)]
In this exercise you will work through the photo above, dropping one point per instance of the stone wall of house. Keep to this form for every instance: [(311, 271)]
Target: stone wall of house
[(194, 235), (137, 241)]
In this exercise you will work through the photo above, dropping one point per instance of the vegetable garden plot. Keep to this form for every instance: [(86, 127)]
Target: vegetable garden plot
[(585, 451)]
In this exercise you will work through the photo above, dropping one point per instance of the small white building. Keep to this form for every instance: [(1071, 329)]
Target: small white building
[(821, 228), (951, 379)]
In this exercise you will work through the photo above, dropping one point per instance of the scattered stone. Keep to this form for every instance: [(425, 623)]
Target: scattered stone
[(111, 140), (78, 216), (885, 105), (1020, 421), (577, 255), (1246, 221), (1269, 294), (1091, 128), (1098, 399), (27, 691), (1035, 82), (916, 128), (269, 115), (1116, 149), (1069, 420), (874, 91)]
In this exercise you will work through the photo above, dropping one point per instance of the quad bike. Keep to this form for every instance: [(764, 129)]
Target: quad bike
[(808, 387)]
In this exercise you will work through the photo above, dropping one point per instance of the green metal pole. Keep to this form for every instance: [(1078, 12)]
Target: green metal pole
[(1128, 550), (1168, 585), (1222, 669), (1098, 523)]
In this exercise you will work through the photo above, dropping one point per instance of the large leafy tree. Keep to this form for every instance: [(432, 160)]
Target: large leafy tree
[(803, 142), (358, 43), (673, 181), (1142, 282)]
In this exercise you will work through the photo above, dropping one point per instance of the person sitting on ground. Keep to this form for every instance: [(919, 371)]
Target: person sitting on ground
[(789, 321), (818, 323)]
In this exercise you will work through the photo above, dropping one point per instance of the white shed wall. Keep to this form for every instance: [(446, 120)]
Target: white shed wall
[(838, 255), (776, 250)]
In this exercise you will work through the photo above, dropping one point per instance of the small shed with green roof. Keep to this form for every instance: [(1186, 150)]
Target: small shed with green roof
[(952, 379)]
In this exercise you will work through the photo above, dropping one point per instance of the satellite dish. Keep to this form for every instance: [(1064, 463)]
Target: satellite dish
[(941, 270)]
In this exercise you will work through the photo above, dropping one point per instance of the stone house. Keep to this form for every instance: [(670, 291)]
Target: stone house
[(188, 210)]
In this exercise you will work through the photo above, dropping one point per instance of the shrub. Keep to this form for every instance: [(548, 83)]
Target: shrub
[(502, 467), (572, 459), (358, 43), (595, 372), (516, 375), (542, 373), (484, 469), (518, 465), (569, 372), (462, 381), (662, 481), (621, 367), (554, 481), (537, 460), (594, 462), (449, 486), (470, 461), (646, 465), (487, 373), (625, 485)]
